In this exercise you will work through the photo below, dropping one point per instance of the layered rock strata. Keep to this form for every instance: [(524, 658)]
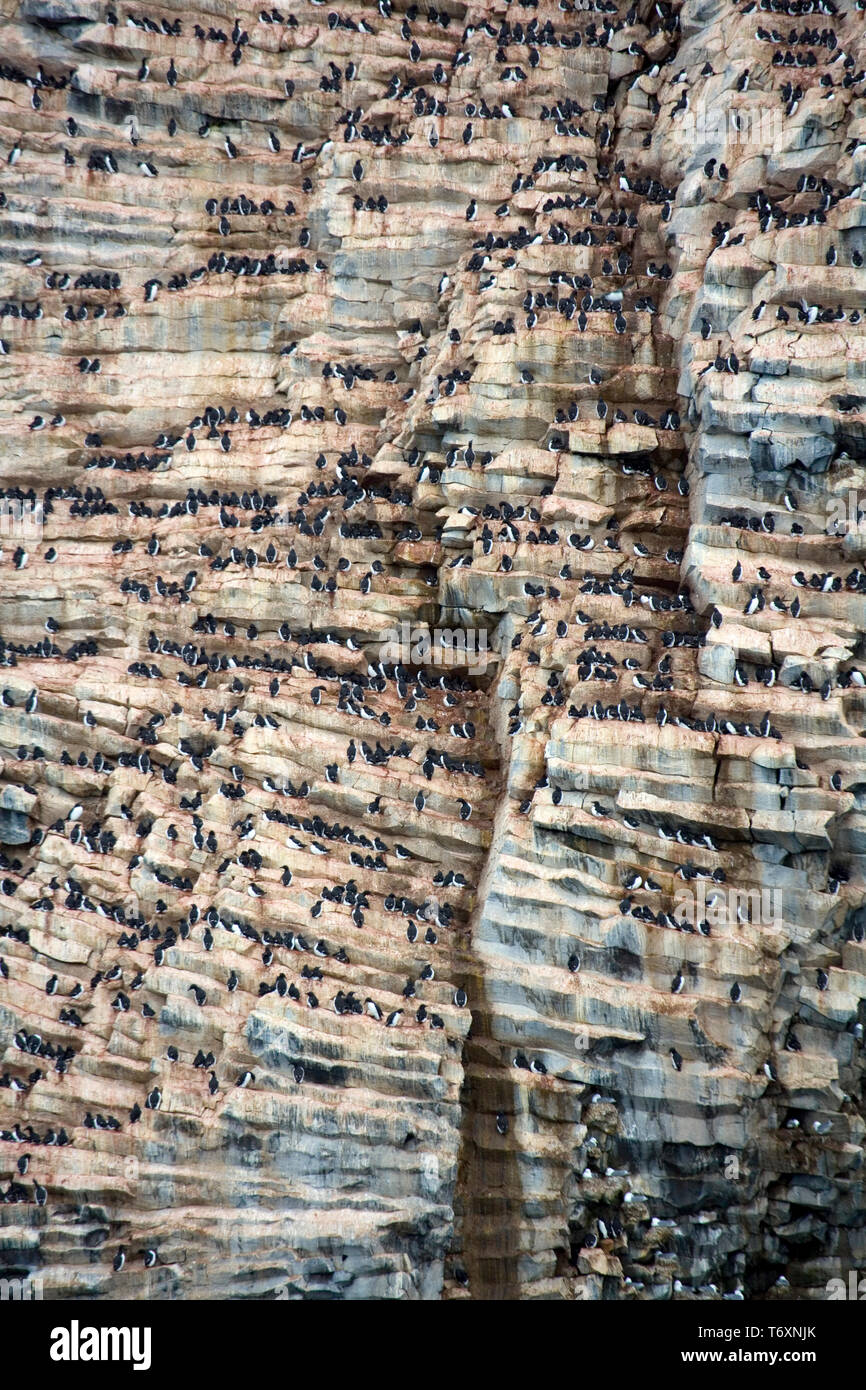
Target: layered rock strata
[(538, 321)]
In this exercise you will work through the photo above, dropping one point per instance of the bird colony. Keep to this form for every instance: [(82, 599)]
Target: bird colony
[(325, 974)]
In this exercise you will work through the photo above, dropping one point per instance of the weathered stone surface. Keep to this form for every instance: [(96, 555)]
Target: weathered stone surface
[(292, 361)]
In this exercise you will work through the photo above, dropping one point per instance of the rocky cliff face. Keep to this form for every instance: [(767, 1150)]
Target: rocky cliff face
[(538, 321)]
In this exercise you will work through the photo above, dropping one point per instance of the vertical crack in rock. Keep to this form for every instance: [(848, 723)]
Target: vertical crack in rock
[(333, 965)]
